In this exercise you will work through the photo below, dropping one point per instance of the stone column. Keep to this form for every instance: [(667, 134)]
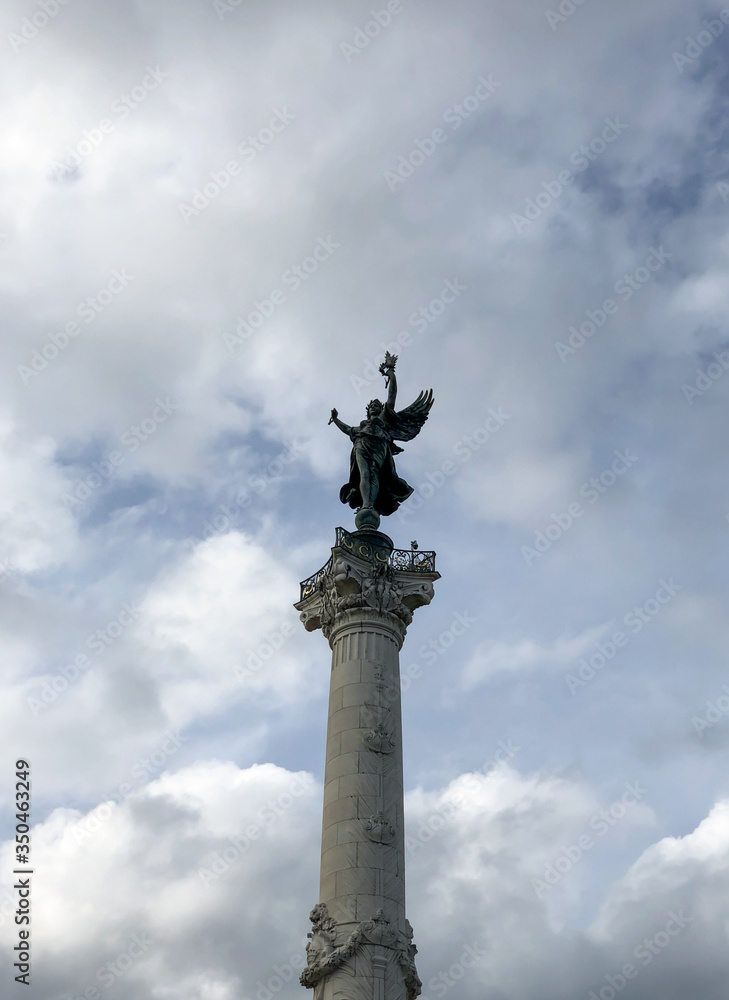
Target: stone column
[(361, 943)]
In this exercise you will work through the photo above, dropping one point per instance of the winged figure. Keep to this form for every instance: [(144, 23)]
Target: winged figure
[(374, 487)]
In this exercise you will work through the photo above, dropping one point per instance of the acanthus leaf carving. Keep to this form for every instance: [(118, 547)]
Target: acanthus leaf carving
[(347, 582)]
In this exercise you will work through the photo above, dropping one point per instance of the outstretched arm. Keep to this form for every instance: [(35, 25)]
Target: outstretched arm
[(334, 419)]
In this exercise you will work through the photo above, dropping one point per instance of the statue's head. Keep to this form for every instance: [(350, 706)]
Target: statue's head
[(374, 408)]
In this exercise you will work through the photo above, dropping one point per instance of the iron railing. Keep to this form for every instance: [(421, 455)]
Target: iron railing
[(311, 584), (405, 560)]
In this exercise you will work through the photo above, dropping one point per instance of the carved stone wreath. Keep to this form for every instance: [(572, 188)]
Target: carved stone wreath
[(323, 957)]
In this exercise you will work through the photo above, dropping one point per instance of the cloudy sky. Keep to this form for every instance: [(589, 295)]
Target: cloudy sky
[(215, 217)]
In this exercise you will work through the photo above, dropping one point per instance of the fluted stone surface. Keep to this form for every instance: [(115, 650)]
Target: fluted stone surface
[(361, 943)]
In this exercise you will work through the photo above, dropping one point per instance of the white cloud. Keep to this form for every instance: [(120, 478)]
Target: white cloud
[(522, 490), (213, 870), (218, 605), (134, 871), (221, 624), (36, 530), (693, 869), (493, 657)]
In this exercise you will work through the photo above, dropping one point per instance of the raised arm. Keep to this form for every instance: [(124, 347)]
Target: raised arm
[(387, 368), (392, 390), (334, 419)]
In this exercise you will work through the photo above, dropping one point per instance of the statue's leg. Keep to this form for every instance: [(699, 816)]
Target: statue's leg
[(368, 481), (374, 486)]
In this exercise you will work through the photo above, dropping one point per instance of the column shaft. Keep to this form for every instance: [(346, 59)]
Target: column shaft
[(361, 944), (363, 846)]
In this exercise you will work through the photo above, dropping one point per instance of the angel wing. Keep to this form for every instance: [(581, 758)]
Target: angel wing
[(406, 424)]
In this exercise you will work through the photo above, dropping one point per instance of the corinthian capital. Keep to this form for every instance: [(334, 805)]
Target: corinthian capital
[(365, 572)]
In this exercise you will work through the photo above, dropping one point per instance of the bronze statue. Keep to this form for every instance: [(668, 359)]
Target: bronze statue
[(374, 487)]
